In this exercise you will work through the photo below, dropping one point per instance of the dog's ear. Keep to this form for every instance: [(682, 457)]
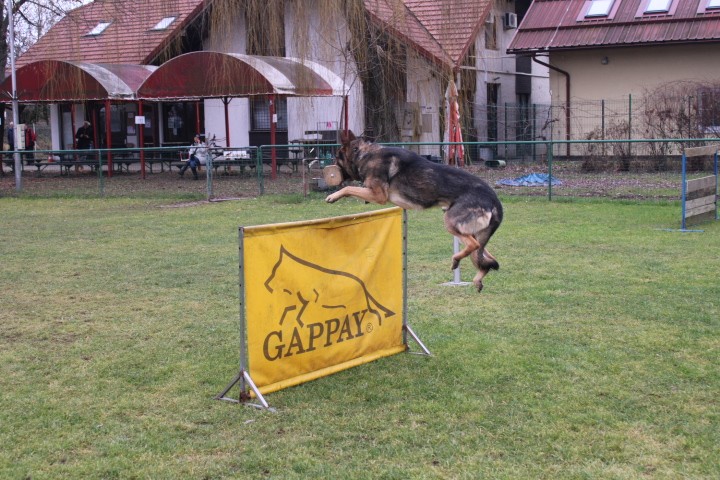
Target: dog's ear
[(346, 138)]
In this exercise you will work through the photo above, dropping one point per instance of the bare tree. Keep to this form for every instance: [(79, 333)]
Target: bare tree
[(32, 18)]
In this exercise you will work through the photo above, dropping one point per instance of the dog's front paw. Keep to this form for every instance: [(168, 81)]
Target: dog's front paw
[(455, 264), (332, 198)]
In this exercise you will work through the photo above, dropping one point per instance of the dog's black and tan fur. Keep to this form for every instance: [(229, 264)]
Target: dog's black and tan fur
[(388, 174)]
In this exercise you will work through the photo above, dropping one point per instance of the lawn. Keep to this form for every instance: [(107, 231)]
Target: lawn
[(592, 353)]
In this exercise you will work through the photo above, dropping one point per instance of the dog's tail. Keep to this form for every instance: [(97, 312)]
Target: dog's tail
[(483, 260)]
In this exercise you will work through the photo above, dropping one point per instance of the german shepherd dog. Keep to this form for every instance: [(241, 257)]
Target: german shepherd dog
[(472, 209)]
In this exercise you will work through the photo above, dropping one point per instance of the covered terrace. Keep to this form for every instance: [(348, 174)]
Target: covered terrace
[(190, 77), (59, 81), (208, 75)]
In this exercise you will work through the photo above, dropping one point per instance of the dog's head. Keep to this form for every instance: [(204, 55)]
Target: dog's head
[(348, 155)]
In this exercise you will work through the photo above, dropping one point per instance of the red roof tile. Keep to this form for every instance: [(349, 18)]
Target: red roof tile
[(442, 30), (453, 23), (560, 24), (129, 39)]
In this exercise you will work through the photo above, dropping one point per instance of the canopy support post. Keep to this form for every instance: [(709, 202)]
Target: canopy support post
[(273, 132), (141, 139), (108, 137), (226, 102)]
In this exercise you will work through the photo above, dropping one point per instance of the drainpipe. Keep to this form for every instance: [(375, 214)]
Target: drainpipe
[(567, 97)]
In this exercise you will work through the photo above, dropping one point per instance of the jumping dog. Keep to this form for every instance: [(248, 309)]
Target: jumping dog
[(389, 174)]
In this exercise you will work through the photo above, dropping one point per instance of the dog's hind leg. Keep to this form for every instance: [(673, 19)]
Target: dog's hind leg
[(463, 224), (484, 262), (471, 246)]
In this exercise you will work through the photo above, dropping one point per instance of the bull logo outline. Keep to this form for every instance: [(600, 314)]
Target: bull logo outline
[(310, 295)]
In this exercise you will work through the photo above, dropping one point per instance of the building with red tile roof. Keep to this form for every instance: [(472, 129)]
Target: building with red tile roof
[(448, 40), (624, 50), (140, 32), (628, 46)]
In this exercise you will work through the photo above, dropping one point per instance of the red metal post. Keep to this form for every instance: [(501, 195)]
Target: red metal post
[(141, 139), (108, 137), (197, 117)]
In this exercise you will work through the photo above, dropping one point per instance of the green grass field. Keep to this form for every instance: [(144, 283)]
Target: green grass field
[(593, 353)]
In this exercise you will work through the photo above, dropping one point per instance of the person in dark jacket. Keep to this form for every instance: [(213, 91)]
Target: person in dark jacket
[(84, 136)]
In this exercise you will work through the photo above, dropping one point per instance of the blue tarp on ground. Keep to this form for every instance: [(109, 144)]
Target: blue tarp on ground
[(530, 180)]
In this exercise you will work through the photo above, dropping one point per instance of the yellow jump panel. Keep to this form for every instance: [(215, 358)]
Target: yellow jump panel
[(322, 296)]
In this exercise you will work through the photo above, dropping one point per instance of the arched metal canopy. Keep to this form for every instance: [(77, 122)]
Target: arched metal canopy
[(59, 81), (218, 75)]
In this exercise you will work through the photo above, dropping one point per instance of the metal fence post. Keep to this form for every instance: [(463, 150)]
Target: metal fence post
[(101, 179), (550, 162), (259, 169), (209, 174), (629, 152), (534, 132), (505, 147), (602, 124)]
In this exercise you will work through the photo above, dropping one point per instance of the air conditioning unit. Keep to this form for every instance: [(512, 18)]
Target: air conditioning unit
[(509, 20)]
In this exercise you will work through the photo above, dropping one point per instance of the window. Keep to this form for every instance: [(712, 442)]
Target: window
[(260, 113), (99, 28), (654, 8), (491, 42), (658, 6), (599, 8), (164, 23), (709, 6)]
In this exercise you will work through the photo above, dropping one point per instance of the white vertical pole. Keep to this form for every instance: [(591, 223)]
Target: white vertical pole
[(456, 242), (456, 249), (15, 113)]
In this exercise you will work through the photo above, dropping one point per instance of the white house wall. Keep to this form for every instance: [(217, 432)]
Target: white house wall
[(55, 132), (495, 66), (314, 36), (424, 97), (615, 75), (320, 37), (632, 71), (238, 121), (66, 137)]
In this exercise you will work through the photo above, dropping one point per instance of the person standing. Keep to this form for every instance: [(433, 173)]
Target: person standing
[(30, 138), (84, 136), (198, 155), (84, 141), (11, 136)]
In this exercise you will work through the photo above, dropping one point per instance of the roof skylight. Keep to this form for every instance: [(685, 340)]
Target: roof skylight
[(599, 8), (164, 23), (658, 6), (99, 28)]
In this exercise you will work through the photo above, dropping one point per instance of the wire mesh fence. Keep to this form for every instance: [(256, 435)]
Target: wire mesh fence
[(609, 169), (651, 116)]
